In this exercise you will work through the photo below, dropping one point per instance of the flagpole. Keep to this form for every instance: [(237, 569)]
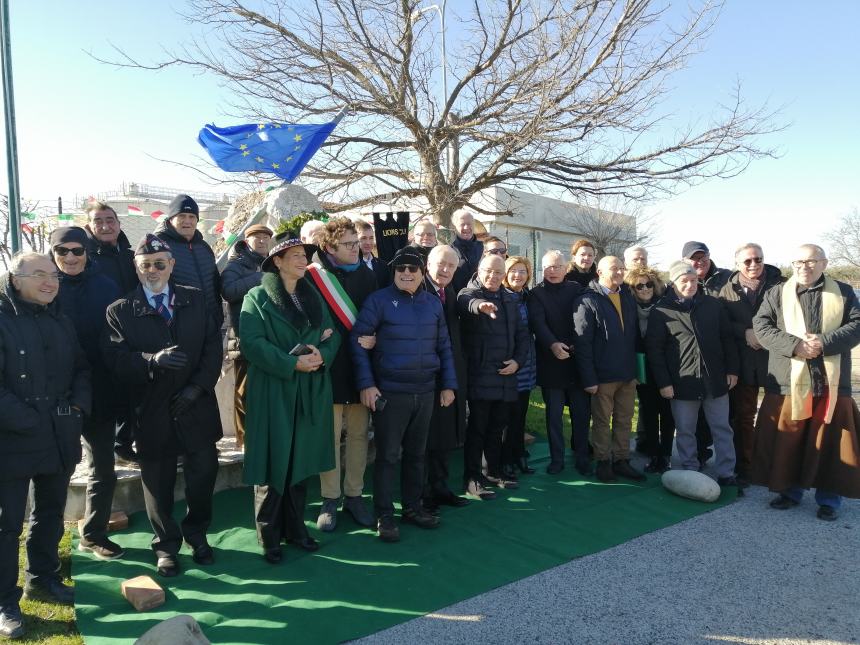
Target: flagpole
[(9, 121)]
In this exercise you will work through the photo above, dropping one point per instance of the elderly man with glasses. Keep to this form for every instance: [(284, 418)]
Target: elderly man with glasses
[(806, 432), (164, 345), (398, 383), (44, 395), (742, 296)]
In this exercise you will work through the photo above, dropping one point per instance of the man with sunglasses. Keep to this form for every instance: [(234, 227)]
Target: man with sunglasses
[(338, 258), (164, 345), (398, 384), (742, 296), (84, 296), (44, 394)]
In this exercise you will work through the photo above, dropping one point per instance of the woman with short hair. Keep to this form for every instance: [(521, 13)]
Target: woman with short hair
[(582, 267)]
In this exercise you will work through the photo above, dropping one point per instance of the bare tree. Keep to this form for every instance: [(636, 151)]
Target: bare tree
[(560, 93), (844, 240), (34, 234)]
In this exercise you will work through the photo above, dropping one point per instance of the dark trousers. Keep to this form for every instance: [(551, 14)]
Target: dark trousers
[(743, 403), (436, 467), (46, 529), (400, 433), (513, 442), (159, 479), (578, 403), (656, 421), (487, 420), (280, 517), (98, 444)]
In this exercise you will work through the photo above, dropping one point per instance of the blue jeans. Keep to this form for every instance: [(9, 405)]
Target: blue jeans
[(822, 497), (578, 403)]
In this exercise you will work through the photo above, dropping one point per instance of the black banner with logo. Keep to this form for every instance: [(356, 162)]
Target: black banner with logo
[(392, 231)]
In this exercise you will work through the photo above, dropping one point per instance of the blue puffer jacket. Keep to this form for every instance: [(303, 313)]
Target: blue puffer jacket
[(195, 266), (605, 349), (527, 374), (413, 350)]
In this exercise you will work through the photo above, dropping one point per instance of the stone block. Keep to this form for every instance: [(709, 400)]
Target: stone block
[(691, 484), (143, 593), (179, 630)]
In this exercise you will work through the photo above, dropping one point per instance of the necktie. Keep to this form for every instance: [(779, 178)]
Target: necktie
[(161, 307), (442, 295)]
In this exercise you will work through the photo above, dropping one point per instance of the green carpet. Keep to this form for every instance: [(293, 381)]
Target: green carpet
[(355, 584)]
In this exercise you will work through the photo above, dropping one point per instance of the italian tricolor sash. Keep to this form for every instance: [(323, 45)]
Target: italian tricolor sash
[(335, 296)]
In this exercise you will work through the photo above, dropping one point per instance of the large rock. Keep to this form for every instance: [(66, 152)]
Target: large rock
[(288, 201), (691, 484), (179, 630)]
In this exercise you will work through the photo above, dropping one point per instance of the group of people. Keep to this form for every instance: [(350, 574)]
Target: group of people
[(441, 348)]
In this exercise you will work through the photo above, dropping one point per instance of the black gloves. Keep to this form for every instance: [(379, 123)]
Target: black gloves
[(171, 358), (184, 399)]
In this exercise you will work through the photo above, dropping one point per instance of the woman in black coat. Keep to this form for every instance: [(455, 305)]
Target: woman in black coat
[(582, 268), (655, 412)]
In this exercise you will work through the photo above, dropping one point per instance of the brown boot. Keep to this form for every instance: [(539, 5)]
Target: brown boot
[(604, 471), (623, 468)]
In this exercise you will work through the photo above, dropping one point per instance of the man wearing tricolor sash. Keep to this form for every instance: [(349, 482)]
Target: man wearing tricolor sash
[(344, 282), (806, 431)]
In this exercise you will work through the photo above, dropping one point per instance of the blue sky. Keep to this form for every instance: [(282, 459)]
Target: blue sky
[(84, 127)]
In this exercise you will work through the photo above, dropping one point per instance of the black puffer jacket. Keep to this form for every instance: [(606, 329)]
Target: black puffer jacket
[(469, 254), (195, 266), (551, 320), (741, 312), (358, 285), (714, 281), (605, 348), (691, 348), (769, 326), (42, 367), (582, 278), (116, 262), (490, 341), (136, 332), (241, 274)]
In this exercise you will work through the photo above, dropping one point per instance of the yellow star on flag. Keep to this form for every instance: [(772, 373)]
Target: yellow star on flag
[(290, 158), (246, 153), (297, 138), (261, 126), (275, 165), (276, 125), (259, 159), (297, 148), (243, 146)]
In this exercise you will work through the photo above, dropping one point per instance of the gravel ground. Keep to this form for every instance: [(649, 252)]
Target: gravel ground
[(741, 574)]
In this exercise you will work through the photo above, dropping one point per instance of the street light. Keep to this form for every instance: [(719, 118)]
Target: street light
[(441, 10)]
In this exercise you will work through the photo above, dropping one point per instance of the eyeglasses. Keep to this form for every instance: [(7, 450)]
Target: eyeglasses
[(644, 285), (489, 272), (751, 261), (501, 251), (518, 272), (63, 251), (797, 264), (40, 275), (158, 265), (348, 245), (411, 268)]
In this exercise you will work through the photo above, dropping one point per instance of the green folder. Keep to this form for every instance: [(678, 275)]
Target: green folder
[(640, 367)]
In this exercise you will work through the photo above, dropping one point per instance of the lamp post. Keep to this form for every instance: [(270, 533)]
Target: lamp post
[(9, 120), (441, 10)]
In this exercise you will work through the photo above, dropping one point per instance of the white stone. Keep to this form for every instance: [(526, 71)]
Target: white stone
[(179, 630), (287, 202), (691, 484)]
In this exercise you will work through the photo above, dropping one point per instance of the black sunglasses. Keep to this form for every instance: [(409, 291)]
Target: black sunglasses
[(62, 251), (644, 285), (400, 268), (500, 251), (750, 261)]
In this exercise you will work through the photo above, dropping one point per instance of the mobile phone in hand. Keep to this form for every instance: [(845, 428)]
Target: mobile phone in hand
[(300, 350), (381, 403)]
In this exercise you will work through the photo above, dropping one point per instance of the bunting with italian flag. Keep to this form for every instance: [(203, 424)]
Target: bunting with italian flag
[(334, 294), (134, 211)]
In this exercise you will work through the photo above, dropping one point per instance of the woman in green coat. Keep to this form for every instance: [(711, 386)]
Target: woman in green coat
[(288, 398)]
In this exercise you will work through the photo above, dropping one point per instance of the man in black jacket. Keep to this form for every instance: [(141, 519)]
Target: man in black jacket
[(742, 296), (468, 247), (242, 274), (496, 341), (367, 244), (44, 393), (164, 346), (551, 319), (605, 321), (694, 360), (194, 258), (338, 259), (448, 423)]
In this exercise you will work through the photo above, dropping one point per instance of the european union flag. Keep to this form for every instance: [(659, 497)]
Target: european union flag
[(278, 148)]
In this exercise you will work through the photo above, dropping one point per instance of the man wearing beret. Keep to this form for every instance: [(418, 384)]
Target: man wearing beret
[(194, 258), (164, 345), (242, 274)]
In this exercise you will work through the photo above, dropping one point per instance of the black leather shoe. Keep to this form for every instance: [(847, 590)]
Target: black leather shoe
[(782, 503), (168, 566), (50, 591), (827, 513), (307, 543), (605, 473), (523, 465), (584, 468), (202, 554), (419, 517), (622, 468), (554, 469), (273, 555), (450, 499), (430, 505)]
